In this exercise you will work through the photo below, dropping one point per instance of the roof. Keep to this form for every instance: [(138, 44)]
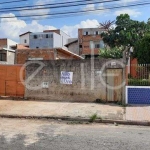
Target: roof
[(100, 28), (69, 52), (20, 46), (25, 33), (74, 41)]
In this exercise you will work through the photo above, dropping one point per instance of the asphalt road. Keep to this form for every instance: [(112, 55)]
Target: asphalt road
[(16, 134)]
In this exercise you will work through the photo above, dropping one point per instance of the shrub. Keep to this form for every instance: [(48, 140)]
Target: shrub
[(116, 52), (139, 82)]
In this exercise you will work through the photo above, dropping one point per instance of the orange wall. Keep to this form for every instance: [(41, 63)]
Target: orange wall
[(10, 83), (133, 67)]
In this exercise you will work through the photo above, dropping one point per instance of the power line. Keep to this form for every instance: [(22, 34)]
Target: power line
[(63, 6), (16, 1), (77, 12), (57, 4)]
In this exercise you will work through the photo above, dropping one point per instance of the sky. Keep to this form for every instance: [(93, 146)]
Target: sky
[(12, 27)]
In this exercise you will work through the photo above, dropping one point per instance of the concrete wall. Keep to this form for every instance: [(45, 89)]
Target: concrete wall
[(80, 90), (74, 47)]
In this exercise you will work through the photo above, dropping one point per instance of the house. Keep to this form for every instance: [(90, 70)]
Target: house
[(46, 45), (24, 39), (7, 52), (85, 36), (46, 39)]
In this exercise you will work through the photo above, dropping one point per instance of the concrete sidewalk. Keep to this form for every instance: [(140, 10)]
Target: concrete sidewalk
[(106, 113), (60, 109), (138, 113)]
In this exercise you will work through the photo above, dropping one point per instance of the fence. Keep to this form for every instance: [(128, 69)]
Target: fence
[(138, 84), (139, 75)]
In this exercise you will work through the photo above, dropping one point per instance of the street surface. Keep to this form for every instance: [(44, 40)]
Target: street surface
[(19, 134)]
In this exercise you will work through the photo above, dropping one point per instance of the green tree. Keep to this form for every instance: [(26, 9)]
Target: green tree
[(143, 49), (127, 33)]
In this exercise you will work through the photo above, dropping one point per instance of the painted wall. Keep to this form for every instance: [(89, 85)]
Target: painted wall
[(10, 43), (56, 40), (23, 38), (137, 95), (63, 38), (10, 57), (41, 41), (80, 90)]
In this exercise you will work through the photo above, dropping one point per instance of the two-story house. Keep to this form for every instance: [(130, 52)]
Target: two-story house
[(85, 36)]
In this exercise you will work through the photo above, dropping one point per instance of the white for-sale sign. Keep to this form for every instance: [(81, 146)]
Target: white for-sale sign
[(66, 77)]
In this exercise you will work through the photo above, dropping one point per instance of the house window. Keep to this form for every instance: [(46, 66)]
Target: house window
[(35, 36), (2, 56), (96, 33), (86, 33), (80, 46), (25, 41), (97, 45), (46, 35)]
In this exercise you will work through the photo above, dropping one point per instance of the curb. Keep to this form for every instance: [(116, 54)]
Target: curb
[(81, 120)]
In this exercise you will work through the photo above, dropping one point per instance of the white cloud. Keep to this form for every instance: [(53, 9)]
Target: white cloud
[(13, 27), (131, 12), (125, 2), (73, 30), (89, 7), (41, 11), (98, 9)]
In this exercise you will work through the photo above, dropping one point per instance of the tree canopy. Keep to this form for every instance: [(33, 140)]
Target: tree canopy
[(129, 33)]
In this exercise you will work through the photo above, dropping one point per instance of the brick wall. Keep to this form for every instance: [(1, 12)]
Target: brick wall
[(46, 54), (23, 55), (3, 42), (84, 40)]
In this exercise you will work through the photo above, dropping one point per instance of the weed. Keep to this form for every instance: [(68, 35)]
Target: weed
[(93, 117)]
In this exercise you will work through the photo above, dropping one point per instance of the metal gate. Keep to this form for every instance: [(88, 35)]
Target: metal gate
[(114, 81), (10, 84)]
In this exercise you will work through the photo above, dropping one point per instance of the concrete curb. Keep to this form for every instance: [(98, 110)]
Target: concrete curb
[(81, 120)]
